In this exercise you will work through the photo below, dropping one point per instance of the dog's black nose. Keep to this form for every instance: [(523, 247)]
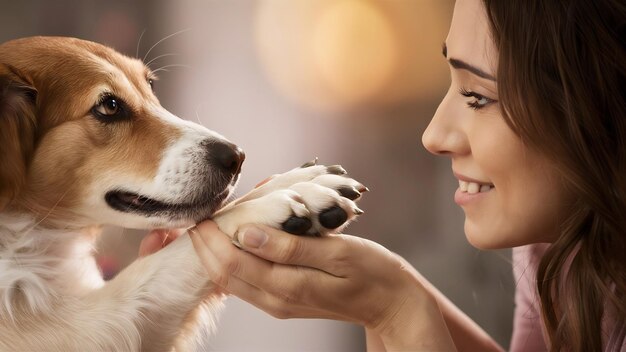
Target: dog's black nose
[(226, 156)]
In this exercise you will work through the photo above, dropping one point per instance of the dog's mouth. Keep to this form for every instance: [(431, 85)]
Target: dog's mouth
[(130, 202)]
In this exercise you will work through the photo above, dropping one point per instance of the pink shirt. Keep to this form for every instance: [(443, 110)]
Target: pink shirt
[(527, 325), (528, 329)]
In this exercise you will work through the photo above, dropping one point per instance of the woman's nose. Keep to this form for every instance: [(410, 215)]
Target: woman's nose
[(444, 135)]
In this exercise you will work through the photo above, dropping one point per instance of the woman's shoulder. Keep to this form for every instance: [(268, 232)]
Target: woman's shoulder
[(528, 334)]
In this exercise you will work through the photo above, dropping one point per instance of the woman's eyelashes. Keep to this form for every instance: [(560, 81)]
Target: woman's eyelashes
[(479, 101)]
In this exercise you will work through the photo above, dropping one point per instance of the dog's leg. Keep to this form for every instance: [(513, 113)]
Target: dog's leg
[(142, 308), (162, 290)]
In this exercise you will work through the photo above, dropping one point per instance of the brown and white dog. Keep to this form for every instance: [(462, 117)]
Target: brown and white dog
[(84, 143)]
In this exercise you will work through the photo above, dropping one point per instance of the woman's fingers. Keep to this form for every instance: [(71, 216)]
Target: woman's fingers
[(279, 306), (150, 243), (157, 239), (274, 288), (265, 181), (223, 261), (327, 253)]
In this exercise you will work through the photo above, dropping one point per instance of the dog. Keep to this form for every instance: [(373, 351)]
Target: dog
[(84, 143)]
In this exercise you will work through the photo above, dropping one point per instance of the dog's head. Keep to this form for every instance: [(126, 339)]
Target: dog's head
[(84, 141)]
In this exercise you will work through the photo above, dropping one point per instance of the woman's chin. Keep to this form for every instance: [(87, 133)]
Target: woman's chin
[(485, 239)]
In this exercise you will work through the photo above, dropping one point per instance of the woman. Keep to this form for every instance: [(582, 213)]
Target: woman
[(534, 123)]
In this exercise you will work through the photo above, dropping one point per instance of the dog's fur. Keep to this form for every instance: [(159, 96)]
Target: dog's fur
[(71, 161)]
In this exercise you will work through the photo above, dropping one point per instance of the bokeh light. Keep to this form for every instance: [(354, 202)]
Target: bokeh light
[(346, 54)]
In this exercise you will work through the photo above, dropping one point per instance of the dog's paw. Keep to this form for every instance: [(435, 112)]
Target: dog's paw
[(329, 210), (307, 172), (273, 209), (312, 200)]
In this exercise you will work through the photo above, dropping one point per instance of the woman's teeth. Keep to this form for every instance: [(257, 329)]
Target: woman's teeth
[(473, 187)]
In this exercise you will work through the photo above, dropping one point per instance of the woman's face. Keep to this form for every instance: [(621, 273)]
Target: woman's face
[(511, 194)]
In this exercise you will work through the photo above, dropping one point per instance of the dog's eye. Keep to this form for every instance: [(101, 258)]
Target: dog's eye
[(151, 83), (109, 109)]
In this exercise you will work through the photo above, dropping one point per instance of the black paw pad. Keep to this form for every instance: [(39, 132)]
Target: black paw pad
[(333, 217), (349, 192), (297, 226)]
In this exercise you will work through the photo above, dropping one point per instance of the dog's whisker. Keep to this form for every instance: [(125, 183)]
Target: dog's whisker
[(160, 41), (139, 42), (159, 57), (198, 115), (145, 201), (52, 208), (167, 235), (164, 68), (32, 209)]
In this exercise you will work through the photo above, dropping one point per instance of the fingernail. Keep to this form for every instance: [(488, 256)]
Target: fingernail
[(252, 237)]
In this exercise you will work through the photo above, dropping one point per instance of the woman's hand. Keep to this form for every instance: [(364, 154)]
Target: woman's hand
[(157, 239), (337, 277)]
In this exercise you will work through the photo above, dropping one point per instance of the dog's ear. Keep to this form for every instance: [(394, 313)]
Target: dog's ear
[(17, 131)]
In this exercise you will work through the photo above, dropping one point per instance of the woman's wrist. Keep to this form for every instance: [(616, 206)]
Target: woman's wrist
[(429, 321), (373, 342), (413, 319), (417, 324)]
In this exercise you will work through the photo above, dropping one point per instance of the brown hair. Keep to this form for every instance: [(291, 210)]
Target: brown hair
[(17, 130), (562, 88)]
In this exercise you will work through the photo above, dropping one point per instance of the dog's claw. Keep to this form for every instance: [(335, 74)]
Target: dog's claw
[(349, 192), (357, 211), (336, 170), (309, 163)]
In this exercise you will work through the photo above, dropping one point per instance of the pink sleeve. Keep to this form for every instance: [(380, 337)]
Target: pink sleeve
[(527, 325)]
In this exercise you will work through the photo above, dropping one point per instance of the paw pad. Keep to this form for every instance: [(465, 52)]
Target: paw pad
[(297, 225), (333, 217)]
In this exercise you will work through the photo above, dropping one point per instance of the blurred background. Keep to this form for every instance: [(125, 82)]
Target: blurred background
[(352, 82)]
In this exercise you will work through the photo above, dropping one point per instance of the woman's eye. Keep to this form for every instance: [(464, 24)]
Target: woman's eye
[(478, 101), (482, 101), (108, 107)]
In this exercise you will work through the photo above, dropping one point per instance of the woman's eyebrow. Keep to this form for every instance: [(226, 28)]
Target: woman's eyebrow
[(462, 65)]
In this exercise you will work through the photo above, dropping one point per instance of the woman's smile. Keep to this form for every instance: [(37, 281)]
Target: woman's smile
[(471, 190)]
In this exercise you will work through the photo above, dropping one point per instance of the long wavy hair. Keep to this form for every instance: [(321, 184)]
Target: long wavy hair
[(562, 88)]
